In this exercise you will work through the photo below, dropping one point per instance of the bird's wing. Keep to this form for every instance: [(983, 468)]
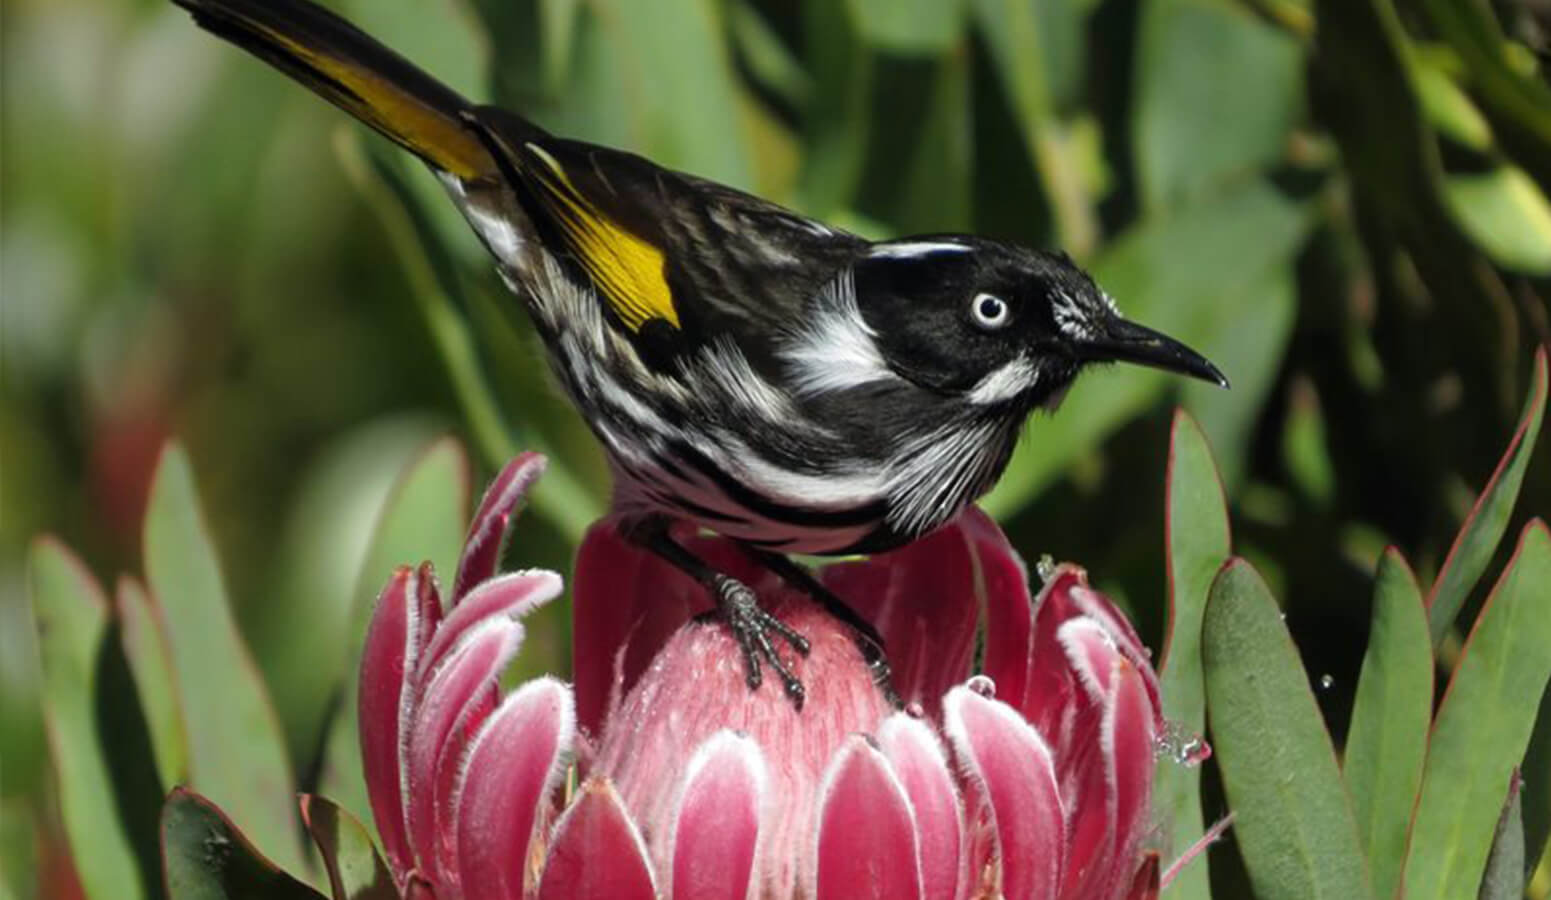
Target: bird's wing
[(666, 249)]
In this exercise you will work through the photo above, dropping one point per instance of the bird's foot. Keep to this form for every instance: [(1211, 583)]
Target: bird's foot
[(752, 627)]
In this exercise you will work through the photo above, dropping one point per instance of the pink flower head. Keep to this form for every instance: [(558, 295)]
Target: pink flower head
[(1032, 779)]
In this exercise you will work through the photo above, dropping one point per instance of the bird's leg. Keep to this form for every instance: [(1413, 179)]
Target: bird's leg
[(751, 626), (868, 640)]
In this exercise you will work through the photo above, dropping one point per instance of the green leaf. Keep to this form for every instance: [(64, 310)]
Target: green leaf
[(1182, 274), (236, 752), (838, 121), (1039, 85), (71, 616), (1292, 817), (1250, 341), (1198, 542), (658, 79), (1483, 726), (1483, 529), (1212, 68), (425, 519), (1387, 743), (355, 870), (1304, 449), (145, 647), (920, 27), (205, 857), (301, 635), (1504, 879), (1447, 106), (1506, 213)]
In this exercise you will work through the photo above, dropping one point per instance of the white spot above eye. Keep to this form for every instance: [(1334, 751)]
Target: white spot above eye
[(989, 311), (915, 249)]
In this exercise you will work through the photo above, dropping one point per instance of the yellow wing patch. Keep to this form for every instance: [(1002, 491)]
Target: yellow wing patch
[(626, 269)]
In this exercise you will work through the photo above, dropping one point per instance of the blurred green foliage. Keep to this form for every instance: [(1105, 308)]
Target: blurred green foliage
[(1342, 202)]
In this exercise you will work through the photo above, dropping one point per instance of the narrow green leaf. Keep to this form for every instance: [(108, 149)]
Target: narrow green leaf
[(205, 857), (1484, 527), (1387, 743), (1210, 68), (924, 27), (1305, 452), (667, 62), (1292, 817), (71, 616), (1039, 84), (236, 753), (838, 124), (1504, 879), (300, 635), (424, 519), (1506, 213), (1483, 726), (145, 647), (355, 870), (1198, 541)]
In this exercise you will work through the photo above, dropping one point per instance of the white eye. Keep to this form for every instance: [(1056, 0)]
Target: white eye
[(989, 311)]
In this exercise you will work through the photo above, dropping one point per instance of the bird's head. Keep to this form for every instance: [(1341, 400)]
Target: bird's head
[(998, 324)]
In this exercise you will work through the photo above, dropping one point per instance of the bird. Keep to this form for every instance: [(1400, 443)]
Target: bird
[(749, 371)]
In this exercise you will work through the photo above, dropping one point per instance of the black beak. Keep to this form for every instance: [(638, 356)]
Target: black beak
[(1124, 341)]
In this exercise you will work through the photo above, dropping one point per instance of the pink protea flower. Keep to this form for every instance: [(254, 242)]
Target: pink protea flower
[(1032, 779)]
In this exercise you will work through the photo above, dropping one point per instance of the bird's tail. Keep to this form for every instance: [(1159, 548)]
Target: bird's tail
[(355, 73)]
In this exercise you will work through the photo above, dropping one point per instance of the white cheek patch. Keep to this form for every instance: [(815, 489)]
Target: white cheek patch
[(1005, 382), (837, 350)]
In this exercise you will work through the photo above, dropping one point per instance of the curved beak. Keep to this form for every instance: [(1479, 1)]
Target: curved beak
[(1122, 341)]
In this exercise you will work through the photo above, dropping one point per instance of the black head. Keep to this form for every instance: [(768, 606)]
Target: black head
[(998, 323)]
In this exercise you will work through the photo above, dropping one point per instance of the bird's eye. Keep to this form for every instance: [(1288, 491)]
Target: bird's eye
[(989, 311)]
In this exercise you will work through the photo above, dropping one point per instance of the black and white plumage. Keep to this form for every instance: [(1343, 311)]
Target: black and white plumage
[(783, 383)]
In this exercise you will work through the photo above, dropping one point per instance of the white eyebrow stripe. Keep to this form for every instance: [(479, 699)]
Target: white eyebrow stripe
[(913, 249)]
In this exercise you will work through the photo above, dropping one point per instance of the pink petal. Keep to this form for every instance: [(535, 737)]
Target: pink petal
[(1145, 884), (444, 722), (510, 596), (1008, 763), (1098, 606), (1091, 653), (513, 766), (867, 844), (918, 759), (1129, 738), (626, 602), (717, 824), (922, 599), (381, 701), (597, 853), (1008, 609), (482, 547)]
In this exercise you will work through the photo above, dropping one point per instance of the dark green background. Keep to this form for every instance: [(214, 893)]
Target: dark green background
[(1340, 203)]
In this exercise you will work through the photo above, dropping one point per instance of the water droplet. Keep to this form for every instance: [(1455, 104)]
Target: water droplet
[(1326, 681), (915, 710), (1181, 745), (982, 685), (1045, 568)]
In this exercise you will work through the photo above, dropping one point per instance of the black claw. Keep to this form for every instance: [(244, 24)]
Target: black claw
[(751, 627), (868, 640)]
